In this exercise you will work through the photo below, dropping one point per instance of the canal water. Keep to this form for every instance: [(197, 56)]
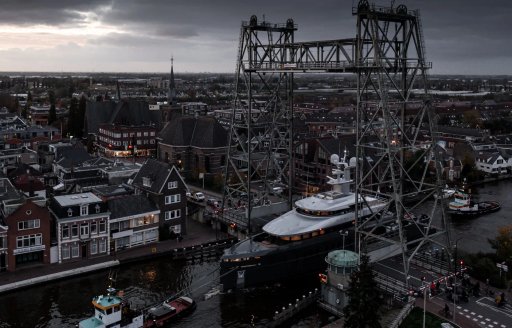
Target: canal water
[(65, 303)]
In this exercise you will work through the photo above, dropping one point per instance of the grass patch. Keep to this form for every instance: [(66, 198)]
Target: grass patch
[(415, 320)]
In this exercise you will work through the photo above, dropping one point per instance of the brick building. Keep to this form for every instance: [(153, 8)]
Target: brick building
[(28, 236)]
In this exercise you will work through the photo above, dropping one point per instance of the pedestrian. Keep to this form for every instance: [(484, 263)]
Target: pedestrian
[(446, 309)]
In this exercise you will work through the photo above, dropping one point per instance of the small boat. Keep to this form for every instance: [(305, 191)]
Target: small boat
[(168, 311), (463, 206)]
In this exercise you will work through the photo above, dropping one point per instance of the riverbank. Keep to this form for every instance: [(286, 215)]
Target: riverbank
[(199, 234)]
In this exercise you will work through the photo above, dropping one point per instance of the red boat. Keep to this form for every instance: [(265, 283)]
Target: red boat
[(168, 311)]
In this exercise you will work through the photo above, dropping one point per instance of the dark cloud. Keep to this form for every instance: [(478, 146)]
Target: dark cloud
[(459, 32)]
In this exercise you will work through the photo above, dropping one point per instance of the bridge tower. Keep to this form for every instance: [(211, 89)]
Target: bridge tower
[(259, 161), (396, 130)]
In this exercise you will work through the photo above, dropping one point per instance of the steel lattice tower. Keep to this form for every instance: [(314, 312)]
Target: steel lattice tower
[(261, 121), (395, 160)]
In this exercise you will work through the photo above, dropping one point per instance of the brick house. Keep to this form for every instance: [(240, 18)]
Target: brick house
[(163, 184), (28, 236), (3, 246), (82, 226)]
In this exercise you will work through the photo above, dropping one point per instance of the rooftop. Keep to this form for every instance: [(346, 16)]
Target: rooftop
[(77, 199)]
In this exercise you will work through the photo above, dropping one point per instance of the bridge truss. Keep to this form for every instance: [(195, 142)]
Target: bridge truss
[(396, 131)]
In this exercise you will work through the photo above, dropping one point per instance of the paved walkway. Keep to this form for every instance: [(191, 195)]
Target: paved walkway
[(198, 233)]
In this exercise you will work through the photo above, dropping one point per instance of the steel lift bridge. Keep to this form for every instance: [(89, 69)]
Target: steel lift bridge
[(395, 155)]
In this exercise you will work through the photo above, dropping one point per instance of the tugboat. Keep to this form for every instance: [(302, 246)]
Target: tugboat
[(111, 310), (463, 206), (295, 244)]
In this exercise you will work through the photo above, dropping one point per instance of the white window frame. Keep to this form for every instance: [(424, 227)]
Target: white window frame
[(84, 210), (173, 214), (84, 230), (172, 199), (172, 184), (103, 245), (94, 247), (75, 251), (65, 252), (104, 225)]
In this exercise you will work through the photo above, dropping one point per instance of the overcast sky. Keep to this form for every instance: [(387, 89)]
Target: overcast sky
[(461, 36)]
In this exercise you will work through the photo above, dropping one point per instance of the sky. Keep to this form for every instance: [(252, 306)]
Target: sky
[(461, 36)]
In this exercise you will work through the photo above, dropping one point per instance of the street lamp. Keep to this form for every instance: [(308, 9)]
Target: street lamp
[(424, 299), (454, 292), (343, 234)]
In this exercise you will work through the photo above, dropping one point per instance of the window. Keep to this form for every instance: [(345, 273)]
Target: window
[(29, 240), (65, 252), (124, 225), (74, 251), (146, 134), (103, 245), (175, 228), (29, 224), (172, 184), (152, 133), (172, 199), (139, 134), (98, 208), (137, 238), (65, 231), (84, 210), (84, 230), (74, 230), (70, 212), (146, 181), (174, 214), (94, 227), (94, 247), (103, 226)]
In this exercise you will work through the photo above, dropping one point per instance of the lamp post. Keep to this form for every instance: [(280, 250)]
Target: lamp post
[(343, 235), (424, 299), (454, 293)]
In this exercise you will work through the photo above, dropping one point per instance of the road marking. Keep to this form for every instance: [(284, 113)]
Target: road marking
[(466, 310), (473, 313), (482, 322), (487, 319), (490, 326), (468, 316), (475, 319), (480, 316), (494, 322)]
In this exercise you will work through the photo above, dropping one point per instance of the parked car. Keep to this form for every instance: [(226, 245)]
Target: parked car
[(199, 196), (212, 202)]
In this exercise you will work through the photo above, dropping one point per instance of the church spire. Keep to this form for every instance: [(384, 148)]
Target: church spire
[(171, 96)]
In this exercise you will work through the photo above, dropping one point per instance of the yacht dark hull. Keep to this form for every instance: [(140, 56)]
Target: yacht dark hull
[(283, 263), (288, 263)]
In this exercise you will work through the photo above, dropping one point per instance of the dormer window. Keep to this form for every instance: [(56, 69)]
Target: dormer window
[(70, 212), (84, 210), (146, 182), (172, 184), (98, 208)]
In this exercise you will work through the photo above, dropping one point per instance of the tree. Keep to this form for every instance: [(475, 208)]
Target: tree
[(503, 243), (81, 117), (52, 114), (73, 118), (362, 309)]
